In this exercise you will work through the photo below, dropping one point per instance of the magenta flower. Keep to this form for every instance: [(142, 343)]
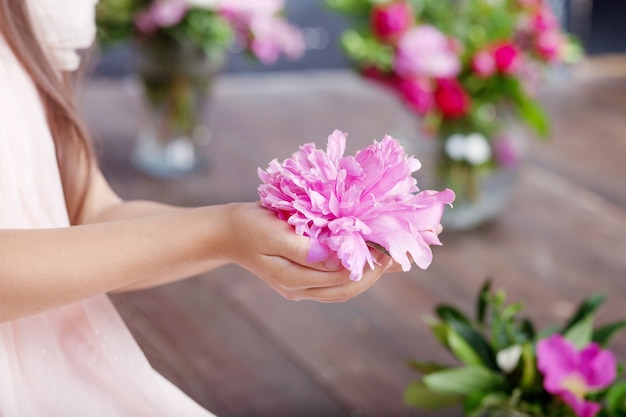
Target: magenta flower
[(426, 52), (572, 374), (390, 20), (343, 203), (507, 57), (417, 92)]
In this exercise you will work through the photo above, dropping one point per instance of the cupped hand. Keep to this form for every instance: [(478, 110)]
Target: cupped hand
[(269, 248)]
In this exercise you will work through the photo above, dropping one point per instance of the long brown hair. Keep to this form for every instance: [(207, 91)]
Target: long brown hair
[(73, 146)]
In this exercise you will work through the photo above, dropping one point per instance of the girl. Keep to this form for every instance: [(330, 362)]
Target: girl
[(66, 239)]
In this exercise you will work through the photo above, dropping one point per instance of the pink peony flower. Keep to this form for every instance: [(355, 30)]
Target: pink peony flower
[(572, 374), (389, 21), (272, 36), (426, 52), (450, 98), (268, 34), (343, 203)]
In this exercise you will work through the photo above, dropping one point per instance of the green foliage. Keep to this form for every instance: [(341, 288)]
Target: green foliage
[(487, 388), (200, 27)]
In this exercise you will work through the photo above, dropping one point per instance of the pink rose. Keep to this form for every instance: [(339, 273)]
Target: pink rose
[(507, 57), (484, 64), (452, 101), (417, 93), (390, 20), (549, 45), (426, 52)]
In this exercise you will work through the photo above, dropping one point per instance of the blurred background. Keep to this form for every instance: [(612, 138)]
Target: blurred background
[(597, 23), (241, 350)]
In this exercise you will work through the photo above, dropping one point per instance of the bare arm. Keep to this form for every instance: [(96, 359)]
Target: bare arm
[(126, 245)]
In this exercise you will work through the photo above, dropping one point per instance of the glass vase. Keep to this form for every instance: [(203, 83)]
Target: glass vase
[(481, 167), (177, 80)]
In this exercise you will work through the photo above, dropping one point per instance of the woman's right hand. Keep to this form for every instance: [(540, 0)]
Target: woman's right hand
[(269, 248)]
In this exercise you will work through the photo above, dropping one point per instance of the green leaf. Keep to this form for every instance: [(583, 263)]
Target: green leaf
[(462, 349), (528, 330), (465, 380), (448, 313), (603, 334), (439, 329), (483, 301), (426, 368), (616, 398), (473, 402), (534, 115), (580, 333), (476, 341), (418, 395), (587, 306), (529, 367)]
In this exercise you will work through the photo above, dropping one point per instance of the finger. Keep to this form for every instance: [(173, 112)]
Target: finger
[(290, 275), (352, 289)]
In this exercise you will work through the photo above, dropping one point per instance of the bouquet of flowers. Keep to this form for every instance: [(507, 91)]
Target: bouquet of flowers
[(207, 24), (348, 204), (509, 369), (180, 46), (466, 68)]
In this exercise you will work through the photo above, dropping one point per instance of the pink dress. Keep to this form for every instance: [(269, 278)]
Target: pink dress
[(79, 360)]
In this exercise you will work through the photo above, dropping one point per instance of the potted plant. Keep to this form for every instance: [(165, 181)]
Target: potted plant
[(508, 368)]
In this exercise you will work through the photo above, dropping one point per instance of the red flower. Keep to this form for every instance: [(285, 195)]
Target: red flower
[(451, 99), (390, 20)]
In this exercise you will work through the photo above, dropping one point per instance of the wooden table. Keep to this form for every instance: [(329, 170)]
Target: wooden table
[(241, 350)]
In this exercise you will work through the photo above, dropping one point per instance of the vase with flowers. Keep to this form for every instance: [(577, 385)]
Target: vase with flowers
[(509, 369), (181, 46), (469, 70)]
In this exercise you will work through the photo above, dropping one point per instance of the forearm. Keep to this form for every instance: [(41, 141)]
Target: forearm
[(43, 269), (123, 210)]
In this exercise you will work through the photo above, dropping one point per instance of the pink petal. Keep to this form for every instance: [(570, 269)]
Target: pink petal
[(557, 358)]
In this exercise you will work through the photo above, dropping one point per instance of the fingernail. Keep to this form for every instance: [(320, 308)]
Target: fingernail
[(389, 264), (333, 263)]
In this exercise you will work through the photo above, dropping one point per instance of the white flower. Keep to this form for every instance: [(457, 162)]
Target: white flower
[(508, 358), (473, 148), (455, 147), (477, 150)]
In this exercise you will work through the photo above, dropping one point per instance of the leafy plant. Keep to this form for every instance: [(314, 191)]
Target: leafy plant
[(508, 368)]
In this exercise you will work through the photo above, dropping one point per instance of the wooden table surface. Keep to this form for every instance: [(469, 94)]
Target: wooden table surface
[(241, 350)]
